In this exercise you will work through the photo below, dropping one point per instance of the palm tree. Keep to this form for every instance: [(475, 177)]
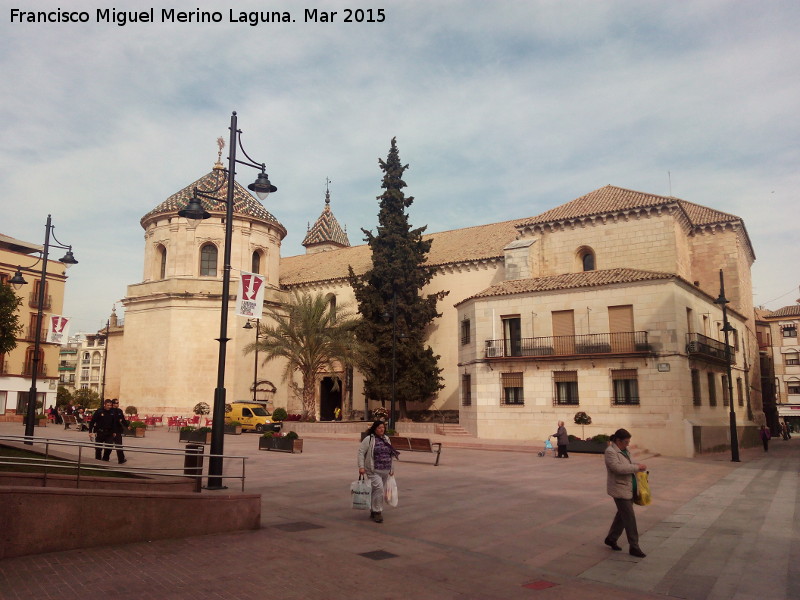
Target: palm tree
[(313, 336)]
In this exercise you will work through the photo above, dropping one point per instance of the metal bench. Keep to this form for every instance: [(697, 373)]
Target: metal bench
[(417, 445)]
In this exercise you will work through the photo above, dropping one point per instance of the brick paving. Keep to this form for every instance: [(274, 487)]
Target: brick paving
[(482, 525)]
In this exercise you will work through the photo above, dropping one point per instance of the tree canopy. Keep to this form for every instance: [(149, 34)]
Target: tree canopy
[(9, 319), (394, 311)]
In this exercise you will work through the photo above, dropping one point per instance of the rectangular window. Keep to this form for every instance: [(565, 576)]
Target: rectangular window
[(712, 390), (789, 331), (725, 396), (566, 388), (465, 332), (626, 387), (22, 402), (512, 335), (466, 390), (739, 394), (696, 397), (793, 387), (620, 324), (792, 358), (512, 389), (563, 331)]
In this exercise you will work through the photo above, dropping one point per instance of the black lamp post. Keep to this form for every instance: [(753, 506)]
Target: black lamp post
[(68, 260), (195, 211), (394, 357), (105, 362), (247, 325), (726, 327)]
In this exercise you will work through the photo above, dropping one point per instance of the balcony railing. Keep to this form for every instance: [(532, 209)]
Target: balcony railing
[(706, 347), (626, 342), (27, 369), (30, 334), (33, 301)]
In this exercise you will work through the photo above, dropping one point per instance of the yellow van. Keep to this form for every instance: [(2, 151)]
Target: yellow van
[(252, 416)]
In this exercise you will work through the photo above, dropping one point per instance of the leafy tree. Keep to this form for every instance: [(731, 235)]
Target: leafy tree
[(312, 337), (63, 397), (86, 398), (9, 319), (394, 287)]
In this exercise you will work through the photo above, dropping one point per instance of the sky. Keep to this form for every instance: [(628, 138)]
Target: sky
[(502, 110)]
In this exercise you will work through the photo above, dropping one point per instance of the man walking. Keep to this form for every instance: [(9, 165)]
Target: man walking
[(107, 425)]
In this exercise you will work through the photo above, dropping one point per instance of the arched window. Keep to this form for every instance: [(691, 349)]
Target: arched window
[(208, 261), (256, 266), (332, 305), (586, 258), (162, 254)]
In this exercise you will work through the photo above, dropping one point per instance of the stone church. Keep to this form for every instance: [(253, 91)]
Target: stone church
[(605, 304)]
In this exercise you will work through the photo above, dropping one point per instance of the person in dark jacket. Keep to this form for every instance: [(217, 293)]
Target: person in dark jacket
[(107, 425), (562, 439)]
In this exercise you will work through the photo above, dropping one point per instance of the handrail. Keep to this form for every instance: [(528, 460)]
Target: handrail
[(83, 465)]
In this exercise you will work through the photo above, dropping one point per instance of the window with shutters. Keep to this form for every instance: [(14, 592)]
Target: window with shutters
[(466, 390), (712, 390), (512, 389), (563, 331), (620, 324), (626, 387), (696, 398), (465, 324), (739, 394), (725, 395), (566, 388), (512, 335)]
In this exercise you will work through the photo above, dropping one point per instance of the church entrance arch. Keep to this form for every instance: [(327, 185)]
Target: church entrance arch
[(330, 398)]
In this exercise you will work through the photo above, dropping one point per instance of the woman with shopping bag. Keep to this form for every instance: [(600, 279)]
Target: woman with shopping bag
[(620, 485), (375, 456)]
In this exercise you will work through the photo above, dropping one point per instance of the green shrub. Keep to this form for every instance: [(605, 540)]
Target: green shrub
[(601, 438), (204, 430), (137, 425), (581, 418), (131, 410), (268, 434), (186, 428), (279, 414), (292, 435), (234, 423)]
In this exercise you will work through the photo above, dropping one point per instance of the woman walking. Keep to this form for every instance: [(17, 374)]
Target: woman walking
[(375, 456), (562, 439), (621, 486)]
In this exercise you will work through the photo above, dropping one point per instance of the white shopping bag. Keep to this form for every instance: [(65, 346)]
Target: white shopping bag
[(390, 491), (360, 493)]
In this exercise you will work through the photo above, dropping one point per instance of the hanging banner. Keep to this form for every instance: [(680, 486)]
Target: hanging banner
[(58, 329), (250, 299)]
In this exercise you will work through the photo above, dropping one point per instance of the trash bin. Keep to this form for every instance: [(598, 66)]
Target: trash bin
[(193, 464)]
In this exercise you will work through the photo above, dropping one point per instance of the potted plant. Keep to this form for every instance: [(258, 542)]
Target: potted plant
[(40, 420), (595, 445), (131, 411), (290, 442), (581, 418), (233, 428), (138, 428), (279, 414), (200, 435)]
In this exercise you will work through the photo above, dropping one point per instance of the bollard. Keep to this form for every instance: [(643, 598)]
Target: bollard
[(193, 464)]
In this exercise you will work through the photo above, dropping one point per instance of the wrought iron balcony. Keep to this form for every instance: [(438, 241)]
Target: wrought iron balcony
[(30, 334), (593, 344), (33, 301), (698, 345), (27, 369)]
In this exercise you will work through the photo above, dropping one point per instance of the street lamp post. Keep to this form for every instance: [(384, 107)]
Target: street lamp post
[(195, 211), (247, 325), (68, 260), (726, 327), (105, 362)]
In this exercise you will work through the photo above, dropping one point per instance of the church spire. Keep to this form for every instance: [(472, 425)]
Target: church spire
[(326, 233)]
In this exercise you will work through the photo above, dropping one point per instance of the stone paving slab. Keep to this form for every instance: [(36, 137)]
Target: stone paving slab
[(482, 525)]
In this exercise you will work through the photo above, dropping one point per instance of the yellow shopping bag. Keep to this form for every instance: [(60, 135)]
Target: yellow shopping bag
[(643, 497)]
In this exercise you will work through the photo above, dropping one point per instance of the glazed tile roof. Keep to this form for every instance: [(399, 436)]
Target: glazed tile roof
[(243, 202), (327, 228), (569, 281), (470, 244), (784, 311)]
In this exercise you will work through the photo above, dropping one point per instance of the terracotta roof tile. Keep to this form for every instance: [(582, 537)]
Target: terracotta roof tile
[(326, 229), (569, 281), (243, 202), (785, 311)]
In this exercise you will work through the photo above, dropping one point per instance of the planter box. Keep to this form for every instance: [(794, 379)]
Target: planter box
[(233, 429), (138, 432), (280, 444), (586, 446), (195, 437)]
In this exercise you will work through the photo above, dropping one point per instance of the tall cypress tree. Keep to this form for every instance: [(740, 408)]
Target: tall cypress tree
[(394, 286)]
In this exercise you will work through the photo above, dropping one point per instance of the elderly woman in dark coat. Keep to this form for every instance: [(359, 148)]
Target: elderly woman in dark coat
[(562, 439)]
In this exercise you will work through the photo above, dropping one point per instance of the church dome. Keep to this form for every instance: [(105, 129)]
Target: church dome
[(244, 204)]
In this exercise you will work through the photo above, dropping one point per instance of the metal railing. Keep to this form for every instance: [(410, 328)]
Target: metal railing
[(699, 344), (27, 369), (626, 342), (33, 301), (83, 464)]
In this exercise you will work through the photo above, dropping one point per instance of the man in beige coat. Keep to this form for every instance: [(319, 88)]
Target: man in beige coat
[(620, 484)]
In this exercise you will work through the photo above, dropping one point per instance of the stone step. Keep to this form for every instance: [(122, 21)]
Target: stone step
[(451, 429)]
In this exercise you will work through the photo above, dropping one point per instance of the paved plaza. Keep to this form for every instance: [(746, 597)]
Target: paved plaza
[(493, 520)]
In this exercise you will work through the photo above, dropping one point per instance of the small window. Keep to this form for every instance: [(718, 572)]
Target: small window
[(739, 394), (725, 394), (466, 390), (465, 332), (512, 389), (586, 257), (256, 266), (566, 388), (246, 412), (162, 253), (208, 261), (712, 390), (793, 387), (792, 358), (696, 398), (789, 331), (626, 387)]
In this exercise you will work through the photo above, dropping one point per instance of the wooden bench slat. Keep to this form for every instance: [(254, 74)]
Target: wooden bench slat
[(416, 445)]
